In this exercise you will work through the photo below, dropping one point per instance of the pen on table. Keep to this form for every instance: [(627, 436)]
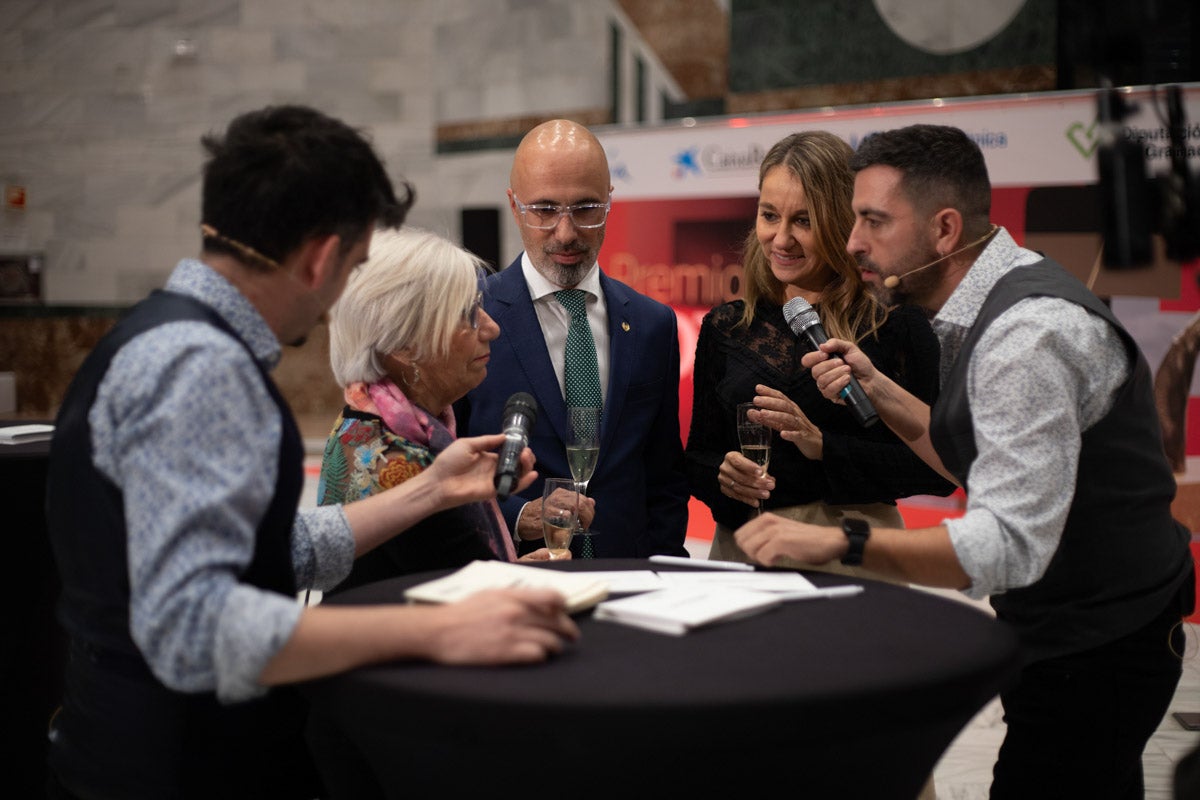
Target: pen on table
[(700, 563), (849, 590)]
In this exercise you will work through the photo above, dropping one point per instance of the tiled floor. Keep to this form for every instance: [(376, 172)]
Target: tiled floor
[(965, 770)]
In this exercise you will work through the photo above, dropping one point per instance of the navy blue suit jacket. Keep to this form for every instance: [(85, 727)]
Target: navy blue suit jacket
[(639, 484)]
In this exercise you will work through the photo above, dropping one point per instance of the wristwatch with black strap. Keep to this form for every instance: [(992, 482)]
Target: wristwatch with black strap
[(857, 532)]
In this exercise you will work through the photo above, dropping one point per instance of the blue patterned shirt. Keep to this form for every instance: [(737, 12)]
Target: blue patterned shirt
[(1044, 371), (183, 426)]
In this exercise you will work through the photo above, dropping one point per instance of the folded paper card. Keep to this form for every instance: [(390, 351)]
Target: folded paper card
[(24, 434), (677, 610), (580, 589)]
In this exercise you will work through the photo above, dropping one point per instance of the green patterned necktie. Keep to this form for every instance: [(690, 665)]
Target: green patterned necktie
[(581, 374)]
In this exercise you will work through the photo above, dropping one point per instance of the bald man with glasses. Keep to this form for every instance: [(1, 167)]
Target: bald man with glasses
[(560, 194)]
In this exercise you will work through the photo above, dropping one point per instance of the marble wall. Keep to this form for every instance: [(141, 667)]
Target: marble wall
[(43, 352), (103, 103), (43, 348)]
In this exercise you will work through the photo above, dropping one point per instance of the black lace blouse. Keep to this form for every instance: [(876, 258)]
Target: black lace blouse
[(859, 465)]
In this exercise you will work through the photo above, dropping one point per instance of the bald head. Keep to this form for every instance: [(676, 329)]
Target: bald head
[(560, 163), (557, 146)]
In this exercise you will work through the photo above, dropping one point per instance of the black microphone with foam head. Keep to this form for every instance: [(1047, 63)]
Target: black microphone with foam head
[(520, 412), (803, 320)]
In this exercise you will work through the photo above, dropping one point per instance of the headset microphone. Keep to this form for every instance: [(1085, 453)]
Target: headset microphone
[(892, 281)]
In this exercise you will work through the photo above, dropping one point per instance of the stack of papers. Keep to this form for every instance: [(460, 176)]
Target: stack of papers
[(678, 610), (678, 601), (579, 589), (673, 602), (24, 434)]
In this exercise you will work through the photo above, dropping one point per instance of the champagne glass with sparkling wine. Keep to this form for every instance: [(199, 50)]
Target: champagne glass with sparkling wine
[(583, 448), (560, 515), (754, 439)]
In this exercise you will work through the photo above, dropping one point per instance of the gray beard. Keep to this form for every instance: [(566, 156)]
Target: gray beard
[(568, 277)]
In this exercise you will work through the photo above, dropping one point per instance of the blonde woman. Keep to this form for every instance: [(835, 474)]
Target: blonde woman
[(823, 465)]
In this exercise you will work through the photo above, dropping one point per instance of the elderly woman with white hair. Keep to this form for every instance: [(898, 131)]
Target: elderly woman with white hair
[(407, 338)]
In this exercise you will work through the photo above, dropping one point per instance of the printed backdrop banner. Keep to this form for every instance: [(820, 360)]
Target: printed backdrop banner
[(1028, 140)]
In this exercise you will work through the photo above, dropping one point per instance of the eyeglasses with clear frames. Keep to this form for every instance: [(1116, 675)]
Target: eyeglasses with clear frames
[(471, 315), (545, 216)]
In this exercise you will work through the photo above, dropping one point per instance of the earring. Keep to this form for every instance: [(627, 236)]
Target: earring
[(415, 379)]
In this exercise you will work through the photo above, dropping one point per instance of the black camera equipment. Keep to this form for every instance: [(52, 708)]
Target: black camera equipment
[(1133, 205)]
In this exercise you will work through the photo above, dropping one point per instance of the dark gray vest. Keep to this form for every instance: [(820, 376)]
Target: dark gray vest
[(1122, 557)]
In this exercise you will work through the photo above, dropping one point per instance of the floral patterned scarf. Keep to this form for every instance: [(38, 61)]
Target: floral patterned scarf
[(409, 421)]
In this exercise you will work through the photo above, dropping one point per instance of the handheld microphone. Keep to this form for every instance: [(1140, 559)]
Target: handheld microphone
[(803, 319), (892, 281), (520, 412)]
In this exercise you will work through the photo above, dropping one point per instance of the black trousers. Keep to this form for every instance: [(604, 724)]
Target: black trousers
[(1077, 724), (123, 735)]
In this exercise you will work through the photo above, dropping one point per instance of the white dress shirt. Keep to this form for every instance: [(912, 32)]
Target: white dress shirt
[(556, 320)]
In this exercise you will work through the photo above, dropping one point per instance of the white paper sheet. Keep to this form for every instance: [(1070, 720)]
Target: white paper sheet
[(628, 581), (760, 581)]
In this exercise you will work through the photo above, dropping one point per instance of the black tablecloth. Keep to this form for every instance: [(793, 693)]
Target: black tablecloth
[(31, 657), (847, 697)]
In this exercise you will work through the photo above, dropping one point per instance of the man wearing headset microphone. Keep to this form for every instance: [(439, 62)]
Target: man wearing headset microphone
[(1046, 418)]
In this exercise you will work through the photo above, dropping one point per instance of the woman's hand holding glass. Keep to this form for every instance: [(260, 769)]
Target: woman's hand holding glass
[(743, 475), (560, 515), (541, 554)]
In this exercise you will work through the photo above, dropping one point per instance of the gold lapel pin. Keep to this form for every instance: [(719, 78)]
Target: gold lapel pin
[(625, 327)]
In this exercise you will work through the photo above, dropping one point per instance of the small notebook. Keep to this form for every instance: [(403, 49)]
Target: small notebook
[(24, 434), (679, 609), (579, 589)]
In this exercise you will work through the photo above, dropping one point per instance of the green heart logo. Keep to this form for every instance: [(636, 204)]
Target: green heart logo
[(1083, 138)]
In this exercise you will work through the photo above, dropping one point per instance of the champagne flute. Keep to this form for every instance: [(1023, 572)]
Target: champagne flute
[(560, 515), (583, 447), (754, 439)]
